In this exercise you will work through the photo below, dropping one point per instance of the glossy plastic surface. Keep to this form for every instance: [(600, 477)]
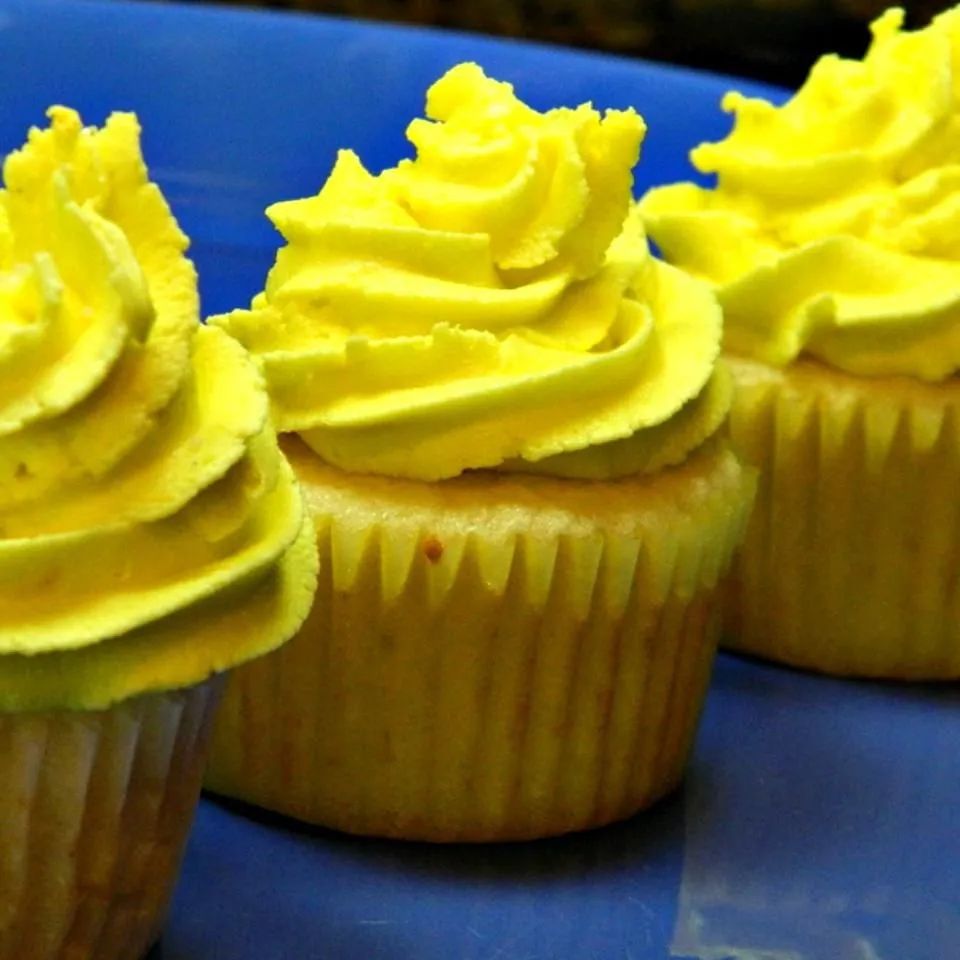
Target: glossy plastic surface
[(819, 822), (820, 819)]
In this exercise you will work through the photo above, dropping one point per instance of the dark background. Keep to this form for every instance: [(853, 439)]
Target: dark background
[(775, 40)]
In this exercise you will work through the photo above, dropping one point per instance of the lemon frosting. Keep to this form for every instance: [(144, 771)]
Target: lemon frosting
[(151, 533), (834, 226), (489, 303)]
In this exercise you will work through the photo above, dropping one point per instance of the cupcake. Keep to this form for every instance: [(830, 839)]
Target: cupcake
[(831, 239), (151, 537), (506, 417)]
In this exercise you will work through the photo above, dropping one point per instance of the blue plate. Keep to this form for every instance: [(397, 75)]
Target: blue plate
[(820, 819)]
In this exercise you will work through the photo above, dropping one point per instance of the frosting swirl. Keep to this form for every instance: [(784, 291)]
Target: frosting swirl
[(150, 531), (834, 227), (488, 303)]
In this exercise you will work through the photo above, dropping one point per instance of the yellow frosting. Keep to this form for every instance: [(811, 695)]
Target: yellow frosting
[(489, 303), (150, 531), (834, 227)]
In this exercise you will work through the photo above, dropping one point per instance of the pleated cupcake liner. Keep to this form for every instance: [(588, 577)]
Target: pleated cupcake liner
[(467, 682), (94, 814), (851, 562)]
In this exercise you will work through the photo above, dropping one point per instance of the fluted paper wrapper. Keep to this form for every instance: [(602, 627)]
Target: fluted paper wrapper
[(851, 563), (95, 808), (490, 659)]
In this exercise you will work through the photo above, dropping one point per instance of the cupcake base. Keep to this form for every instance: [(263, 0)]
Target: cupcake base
[(489, 658), (851, 563), (94, 813)]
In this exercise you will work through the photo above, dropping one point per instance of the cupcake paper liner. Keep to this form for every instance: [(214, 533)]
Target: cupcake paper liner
[(851, 563), (94, 813), (485, 666)]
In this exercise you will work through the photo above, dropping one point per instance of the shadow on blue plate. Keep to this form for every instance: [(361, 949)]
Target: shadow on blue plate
[(343, 897), (817, 823)]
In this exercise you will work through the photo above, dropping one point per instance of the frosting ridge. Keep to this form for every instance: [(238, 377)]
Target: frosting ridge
[(834, 226), (140, 480), (490, 302)]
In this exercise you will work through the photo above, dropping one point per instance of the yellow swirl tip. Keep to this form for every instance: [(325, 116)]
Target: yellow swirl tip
[(833, 229), (487, 301), (144, 504)]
